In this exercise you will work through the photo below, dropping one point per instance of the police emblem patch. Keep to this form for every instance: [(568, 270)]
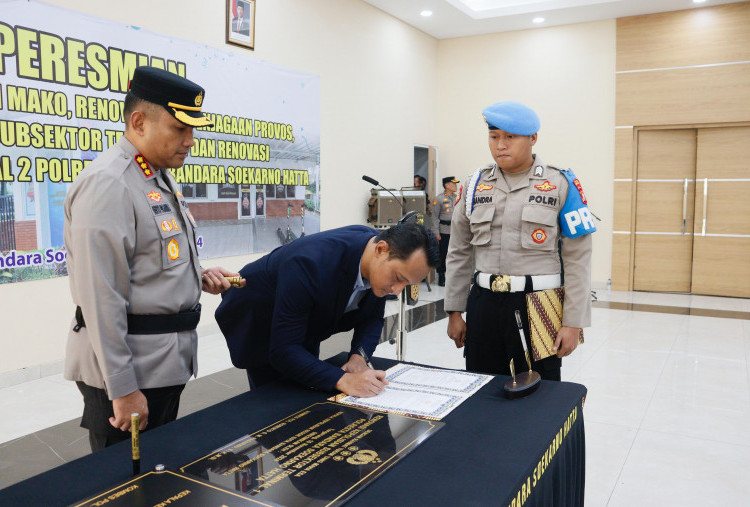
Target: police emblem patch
[(482, 187), (174, 224), (199, 99), (154, 196), (539, 236), (545, 187), (166, 225), (173, 250)]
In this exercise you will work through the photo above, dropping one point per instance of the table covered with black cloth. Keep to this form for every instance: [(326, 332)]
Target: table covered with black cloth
[(491, 451)]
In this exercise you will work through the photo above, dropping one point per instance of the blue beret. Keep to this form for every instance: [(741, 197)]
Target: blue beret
[(512, 117)]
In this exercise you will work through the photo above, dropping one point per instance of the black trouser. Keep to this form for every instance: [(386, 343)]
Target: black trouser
[(492, 336), (163, 404), (444, 240)]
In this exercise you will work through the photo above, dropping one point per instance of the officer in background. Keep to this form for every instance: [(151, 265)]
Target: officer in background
[(133, 265), (512, 213), (442, 212)]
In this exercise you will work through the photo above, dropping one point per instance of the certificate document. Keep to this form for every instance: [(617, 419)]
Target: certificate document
[(429, 393)]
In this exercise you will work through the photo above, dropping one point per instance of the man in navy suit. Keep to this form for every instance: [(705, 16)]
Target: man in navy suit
[(304, 292)]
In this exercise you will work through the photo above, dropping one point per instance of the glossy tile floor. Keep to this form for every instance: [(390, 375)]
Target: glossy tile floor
[(667, 413)]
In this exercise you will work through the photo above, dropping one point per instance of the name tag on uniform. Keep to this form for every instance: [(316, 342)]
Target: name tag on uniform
[(161, 209)]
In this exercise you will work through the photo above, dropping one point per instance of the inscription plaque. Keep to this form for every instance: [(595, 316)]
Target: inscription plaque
[(166, 488), (322, 455)]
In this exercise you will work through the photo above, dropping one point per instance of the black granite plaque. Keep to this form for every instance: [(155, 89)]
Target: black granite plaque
[(322, 455), (167, 488)]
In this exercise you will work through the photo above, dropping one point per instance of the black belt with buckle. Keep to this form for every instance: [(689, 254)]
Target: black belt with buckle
[(445, 222), (154, 324)]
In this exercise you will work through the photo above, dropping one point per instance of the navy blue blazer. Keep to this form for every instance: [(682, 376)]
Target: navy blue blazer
[(294, 299)]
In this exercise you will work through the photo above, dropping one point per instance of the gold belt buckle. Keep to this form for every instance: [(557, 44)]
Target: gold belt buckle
[(501, 283)]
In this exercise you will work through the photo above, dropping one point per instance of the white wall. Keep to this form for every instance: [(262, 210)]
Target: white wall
[(567, 75), (378, 91), (384, 87)]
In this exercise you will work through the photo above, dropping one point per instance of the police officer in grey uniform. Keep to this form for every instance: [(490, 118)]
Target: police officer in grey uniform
[(442, 213), (512, 214), (134, 270)]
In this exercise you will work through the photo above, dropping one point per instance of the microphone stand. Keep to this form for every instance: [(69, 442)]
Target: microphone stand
[(401, 333)]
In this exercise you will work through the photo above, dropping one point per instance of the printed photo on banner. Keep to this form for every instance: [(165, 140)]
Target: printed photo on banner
[(241, 23), (251, 182)]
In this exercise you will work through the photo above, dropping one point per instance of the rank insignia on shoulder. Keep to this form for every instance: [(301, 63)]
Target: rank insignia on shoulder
[(190, 216), (545, 187), (580, 190), (179, 194), (460, 193), (538, 171), (482, 187), (143, 165), (539, 236)]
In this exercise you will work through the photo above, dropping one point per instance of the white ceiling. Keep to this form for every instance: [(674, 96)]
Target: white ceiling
[(455, 18)]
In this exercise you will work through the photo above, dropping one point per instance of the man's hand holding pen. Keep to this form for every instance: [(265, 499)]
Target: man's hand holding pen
[(361, 379)]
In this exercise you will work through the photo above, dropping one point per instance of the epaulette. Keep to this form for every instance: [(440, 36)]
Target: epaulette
[(144, 166)]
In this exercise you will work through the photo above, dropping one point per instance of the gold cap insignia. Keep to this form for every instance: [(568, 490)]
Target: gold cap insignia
[(199, 99)]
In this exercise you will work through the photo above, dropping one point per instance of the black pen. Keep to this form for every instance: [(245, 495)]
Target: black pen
[(364, 356)]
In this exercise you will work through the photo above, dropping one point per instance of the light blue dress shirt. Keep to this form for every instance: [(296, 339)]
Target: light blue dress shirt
[(360, 286)]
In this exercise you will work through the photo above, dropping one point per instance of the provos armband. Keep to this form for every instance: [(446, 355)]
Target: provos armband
[(575, 218)]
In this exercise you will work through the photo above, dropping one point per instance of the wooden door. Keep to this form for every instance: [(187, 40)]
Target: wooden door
[(721, 248), (665, 202)]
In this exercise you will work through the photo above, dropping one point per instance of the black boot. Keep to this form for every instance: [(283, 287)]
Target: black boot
[(441, 279)]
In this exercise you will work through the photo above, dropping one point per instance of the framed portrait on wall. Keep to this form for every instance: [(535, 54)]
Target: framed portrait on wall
[(241, 23)]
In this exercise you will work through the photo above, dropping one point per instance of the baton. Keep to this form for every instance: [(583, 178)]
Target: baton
[(134, 436), (523, 338)]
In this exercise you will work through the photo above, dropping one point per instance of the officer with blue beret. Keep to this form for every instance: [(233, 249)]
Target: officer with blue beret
[(135, 274), (523, 222)]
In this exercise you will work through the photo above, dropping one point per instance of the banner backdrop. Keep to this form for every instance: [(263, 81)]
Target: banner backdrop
[(252, 181)]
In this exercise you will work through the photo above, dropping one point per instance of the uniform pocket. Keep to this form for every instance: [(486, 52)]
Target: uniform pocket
[(175, 250), (538, 228), (480, 224)]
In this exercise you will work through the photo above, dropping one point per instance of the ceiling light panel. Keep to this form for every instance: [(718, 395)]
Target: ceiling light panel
[(483, 9)]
